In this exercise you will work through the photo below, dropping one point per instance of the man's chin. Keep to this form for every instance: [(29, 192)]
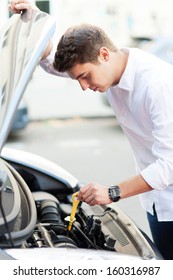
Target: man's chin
[(102, 90)]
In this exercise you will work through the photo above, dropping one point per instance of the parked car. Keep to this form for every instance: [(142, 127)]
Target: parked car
[(161, 47), (36, 194), (21, 118)]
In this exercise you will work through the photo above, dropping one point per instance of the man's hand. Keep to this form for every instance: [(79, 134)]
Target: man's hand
[(94, 194), (17, 6)]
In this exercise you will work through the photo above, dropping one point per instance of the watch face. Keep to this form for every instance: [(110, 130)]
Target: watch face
[(114, 193)]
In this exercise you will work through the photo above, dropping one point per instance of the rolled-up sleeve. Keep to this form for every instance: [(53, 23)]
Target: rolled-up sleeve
[(47, 65), (159, 174)]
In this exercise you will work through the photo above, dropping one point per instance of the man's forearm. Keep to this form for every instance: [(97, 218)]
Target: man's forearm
[(134, 186), (48, 50)]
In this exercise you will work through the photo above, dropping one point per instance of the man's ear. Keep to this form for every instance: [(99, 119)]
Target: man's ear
[(104, 53)]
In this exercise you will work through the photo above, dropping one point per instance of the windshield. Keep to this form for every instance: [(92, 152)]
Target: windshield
[(22, 43)]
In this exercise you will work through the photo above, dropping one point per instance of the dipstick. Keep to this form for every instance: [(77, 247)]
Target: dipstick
[(75, 203)]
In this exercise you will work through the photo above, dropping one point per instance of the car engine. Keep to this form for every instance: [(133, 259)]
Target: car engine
[(47, 225)]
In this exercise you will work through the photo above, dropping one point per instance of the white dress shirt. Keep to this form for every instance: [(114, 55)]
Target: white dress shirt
[(143, 105)]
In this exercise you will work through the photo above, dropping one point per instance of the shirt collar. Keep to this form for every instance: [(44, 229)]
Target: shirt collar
[(127, 79)]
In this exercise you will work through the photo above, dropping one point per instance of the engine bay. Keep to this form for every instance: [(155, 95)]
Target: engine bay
[(34, 218)]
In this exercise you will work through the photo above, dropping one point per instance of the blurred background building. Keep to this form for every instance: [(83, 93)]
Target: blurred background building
[(128, 22), (124, 20)]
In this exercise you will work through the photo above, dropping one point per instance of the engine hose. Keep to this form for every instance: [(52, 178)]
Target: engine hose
[(49, 212), (84, 235)]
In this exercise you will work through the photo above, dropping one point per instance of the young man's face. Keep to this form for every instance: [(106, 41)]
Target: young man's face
[(97, 77)]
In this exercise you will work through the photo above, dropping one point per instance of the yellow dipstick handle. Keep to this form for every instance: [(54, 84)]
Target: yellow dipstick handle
[(75, 203)]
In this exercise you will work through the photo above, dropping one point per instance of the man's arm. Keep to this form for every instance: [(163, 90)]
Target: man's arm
[(97, 194), (17, 6)]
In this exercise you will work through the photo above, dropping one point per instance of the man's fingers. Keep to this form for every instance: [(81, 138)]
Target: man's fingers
[(13, 9), (18, 6)]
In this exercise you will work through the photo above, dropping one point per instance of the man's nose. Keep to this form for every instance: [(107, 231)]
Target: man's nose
[(84, 84)]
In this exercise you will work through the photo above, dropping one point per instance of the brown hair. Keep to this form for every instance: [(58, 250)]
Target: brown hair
[(80, 44)]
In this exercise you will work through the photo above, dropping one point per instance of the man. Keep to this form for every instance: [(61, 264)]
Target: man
[(139, 88)]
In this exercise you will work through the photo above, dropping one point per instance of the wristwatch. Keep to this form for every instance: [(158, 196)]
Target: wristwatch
[(114, 193)]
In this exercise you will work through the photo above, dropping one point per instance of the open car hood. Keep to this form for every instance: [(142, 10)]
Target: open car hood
[(18, 60)]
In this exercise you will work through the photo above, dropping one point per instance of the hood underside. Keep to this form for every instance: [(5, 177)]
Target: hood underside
[(23, 40)]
